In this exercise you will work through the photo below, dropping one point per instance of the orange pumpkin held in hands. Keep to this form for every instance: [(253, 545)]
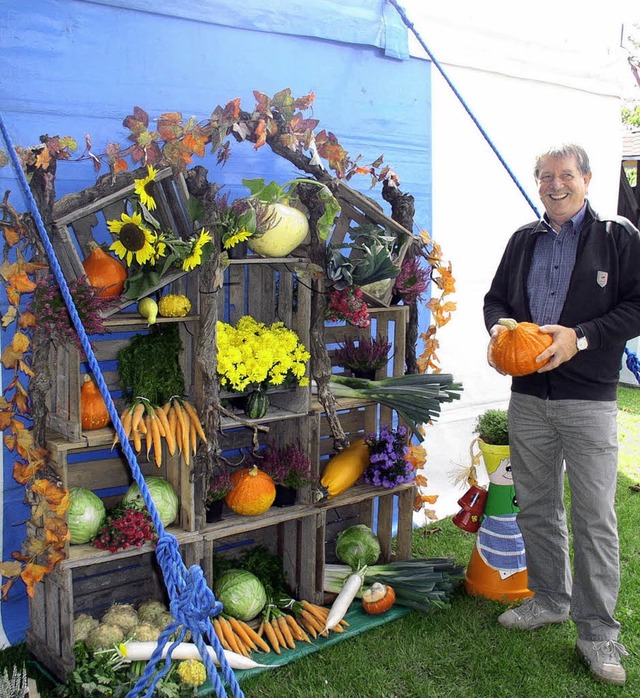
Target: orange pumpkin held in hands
[(104, 272), (514, 350), (253, 492), (93, 409)]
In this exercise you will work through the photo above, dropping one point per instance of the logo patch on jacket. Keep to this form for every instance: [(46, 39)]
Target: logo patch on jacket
[(601, 278)]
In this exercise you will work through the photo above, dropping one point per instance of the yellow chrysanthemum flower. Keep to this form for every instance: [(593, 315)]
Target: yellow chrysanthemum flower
[(135, 240), (144, 188), (195, 258)]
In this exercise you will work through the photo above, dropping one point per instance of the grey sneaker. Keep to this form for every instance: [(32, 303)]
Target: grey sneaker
[(529, 616), (603, 658)]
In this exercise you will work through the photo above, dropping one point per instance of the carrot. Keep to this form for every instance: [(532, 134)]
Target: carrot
[(175, 428), (255, 637), (239, 630), (154, 430), (184, 431), (316, 611), (169, 435), (138, 413), (137, 445), (166, 407), (190, 410), (148, 436), (311, 624), (193, 434), (271, 636), (125, 418), (286, 632), (218, 628), (230, 635), (296, 630), (154, 414), (278, 633)]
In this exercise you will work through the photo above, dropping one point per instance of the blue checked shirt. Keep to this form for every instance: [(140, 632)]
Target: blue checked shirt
[(551, 267)]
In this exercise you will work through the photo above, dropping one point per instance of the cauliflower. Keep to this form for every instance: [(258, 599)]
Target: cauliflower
[(192, 672), (148, 611), (122, 615), (173, 305), (82, 624), (145, 632), (103, 637)]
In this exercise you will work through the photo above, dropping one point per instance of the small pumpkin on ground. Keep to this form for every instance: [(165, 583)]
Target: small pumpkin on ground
[(253, 492), (378, 598), (104, 272), (93, 409), (514, 351)]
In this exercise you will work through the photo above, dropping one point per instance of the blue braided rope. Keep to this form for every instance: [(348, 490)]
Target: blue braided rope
[(409, 24), (191, 601), (633, 363)]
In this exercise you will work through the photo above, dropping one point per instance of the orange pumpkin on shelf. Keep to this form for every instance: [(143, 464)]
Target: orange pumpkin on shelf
[(515, 349), (104, 272), (93, 409), (253, 492)]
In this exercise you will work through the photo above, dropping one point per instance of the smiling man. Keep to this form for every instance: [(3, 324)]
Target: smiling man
[(577, 276)]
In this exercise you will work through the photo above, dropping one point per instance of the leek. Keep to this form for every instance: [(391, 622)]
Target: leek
[(419, 583), (416, 397)]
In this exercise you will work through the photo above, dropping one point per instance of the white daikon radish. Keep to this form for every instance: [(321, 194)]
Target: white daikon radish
[(342, 602), (142, 651)]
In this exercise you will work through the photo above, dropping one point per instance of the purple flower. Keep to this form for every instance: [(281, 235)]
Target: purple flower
[(388, 464)]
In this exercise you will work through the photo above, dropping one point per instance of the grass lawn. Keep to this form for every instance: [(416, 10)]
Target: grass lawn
[(462, 652)]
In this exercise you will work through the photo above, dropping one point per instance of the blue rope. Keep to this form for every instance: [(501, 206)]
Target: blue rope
[(409, 24), (192, 603), (633, 363)]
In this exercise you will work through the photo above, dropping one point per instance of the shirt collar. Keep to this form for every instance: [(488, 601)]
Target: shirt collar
[(576, 221)]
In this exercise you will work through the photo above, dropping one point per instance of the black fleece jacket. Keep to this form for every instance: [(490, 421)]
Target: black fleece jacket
[(603, 298)]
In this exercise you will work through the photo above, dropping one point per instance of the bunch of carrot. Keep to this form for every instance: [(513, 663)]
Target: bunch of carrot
[(283, 630), (176, 422), (237, 636)]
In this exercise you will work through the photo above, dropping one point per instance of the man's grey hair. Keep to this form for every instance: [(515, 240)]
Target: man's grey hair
[(563, 151)]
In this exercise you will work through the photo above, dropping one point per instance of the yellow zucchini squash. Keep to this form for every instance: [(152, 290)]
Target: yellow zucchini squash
[(343, 470)]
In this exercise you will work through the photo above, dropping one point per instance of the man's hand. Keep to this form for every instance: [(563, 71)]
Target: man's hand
[(494, 332), (562, 349)]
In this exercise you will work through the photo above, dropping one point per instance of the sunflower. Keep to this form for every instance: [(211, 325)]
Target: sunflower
[(144, 188), (195, 257), (134, 239), (233, 239)]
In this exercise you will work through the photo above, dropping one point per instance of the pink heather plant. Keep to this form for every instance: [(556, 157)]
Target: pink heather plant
[(287, 465), (52, 316), (367, 354), (412, 282)]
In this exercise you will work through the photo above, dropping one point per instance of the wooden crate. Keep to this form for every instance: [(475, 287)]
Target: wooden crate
[(390, 323), (81, 219), (91, 463), (74, 588), (295, 534), (270, 291), (358, 209), (69, 366)]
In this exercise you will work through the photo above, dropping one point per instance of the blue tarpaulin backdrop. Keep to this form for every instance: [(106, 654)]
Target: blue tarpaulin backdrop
[(76, 67)]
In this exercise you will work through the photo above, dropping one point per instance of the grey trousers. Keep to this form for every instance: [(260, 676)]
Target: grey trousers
[(546, 436)]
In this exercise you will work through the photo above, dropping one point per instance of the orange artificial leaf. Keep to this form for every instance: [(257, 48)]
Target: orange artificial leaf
[(120, 165), (39, 510), (9, 316), (304, 102), (51, 491), (10, 357), (22, 282), (5, 419), (263, 103), (24, 472), (43, 160), (20, 342), (26, 320), (232, 109), (431, 514), (261, 134), (11, 236), (55, 527), (60, 506), (13, 295), (421, 480), (31, 575), (425, 237), (5, 588), (25, 368), (10, 569), (196, 144), (417, 456), (429, 498)]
